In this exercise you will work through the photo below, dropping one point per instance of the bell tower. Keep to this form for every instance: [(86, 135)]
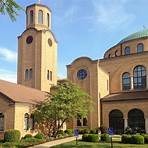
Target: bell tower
[(37, 50)]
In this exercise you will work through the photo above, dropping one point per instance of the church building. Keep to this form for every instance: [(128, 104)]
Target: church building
[(117, 83)]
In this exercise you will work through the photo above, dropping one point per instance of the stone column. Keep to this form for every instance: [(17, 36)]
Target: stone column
[(146, 125), (125, 123), (132, 82)]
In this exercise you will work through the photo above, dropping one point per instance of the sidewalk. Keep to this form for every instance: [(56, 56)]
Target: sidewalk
[(56, 142)]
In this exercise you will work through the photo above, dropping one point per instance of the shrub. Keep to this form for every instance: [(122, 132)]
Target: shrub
[(126, 138), (93, 131), (105, 137), (70, 132), (8, 144), (90, 137), (30, 141), (145, 138), (61, 132), (84, 130), (40, 136), (85, 137), (103, 129), (60, 136), (12, 136), (128, 130), (137, 139), (27, 136)]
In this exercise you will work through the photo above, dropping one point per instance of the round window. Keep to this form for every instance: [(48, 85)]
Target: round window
[(29, 39), (50, 42), (82, 74)]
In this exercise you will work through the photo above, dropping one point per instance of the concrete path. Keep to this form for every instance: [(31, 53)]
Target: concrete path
[(56, 142)]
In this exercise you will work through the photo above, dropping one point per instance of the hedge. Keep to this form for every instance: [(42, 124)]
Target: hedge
[(90, 137), (12, 135), (70, 132), (27, 136), (105, 137), (84, 130), (137, 139), (133, 139), (126, 138), (145, 138), (40, 136)]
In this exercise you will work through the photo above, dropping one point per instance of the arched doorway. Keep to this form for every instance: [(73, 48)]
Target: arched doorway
[(116, 121), (136, 119)]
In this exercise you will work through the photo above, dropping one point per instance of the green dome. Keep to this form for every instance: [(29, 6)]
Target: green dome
[(140, 34)]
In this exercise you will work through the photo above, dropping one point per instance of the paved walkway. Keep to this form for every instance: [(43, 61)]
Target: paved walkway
[(55, 142)]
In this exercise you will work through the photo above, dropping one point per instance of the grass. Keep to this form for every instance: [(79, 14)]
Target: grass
[(96, 145)]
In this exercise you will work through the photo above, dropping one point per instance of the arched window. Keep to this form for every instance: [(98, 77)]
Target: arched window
[(140, 48), (109, 56), (116, 53), (127, 51), (48, 19), (31, 16), (30, 74), (26, 74), (136, 119), (84, 121), (50, 75), (1, 122), (26, 121), (40, 17), (116, 121), (139, 77), (126, 81), (32, 122)]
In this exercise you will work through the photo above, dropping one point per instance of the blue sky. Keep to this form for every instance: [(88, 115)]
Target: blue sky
[(82, 28)]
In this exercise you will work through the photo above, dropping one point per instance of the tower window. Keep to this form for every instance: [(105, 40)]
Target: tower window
[(30, 74), (26, 74), (48, 19), (140, 48), (31, 16), (40, 17), (29, 39)]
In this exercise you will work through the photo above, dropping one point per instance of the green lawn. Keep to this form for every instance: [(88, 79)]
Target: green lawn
[(98, 145)]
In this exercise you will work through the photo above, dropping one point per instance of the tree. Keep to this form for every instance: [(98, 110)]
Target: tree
[(11, 7), (64, 104)]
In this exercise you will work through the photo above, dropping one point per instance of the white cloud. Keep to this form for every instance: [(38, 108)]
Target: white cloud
[(8, 75), (8, 55), (112, 13)]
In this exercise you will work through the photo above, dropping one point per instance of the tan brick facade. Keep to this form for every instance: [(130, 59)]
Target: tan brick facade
[(41, 54), (105, 78)]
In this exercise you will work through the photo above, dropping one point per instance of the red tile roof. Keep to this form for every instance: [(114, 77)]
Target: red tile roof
[(20, 93), (123, 96)]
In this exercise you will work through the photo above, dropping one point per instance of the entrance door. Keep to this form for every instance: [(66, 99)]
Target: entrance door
[(116, 121)]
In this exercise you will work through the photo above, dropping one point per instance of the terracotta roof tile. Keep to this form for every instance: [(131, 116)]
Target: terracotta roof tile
[(20, 93), (123, 96)]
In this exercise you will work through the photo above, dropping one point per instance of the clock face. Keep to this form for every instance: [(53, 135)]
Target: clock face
[(82, 74), (50, 42), (29, 39)]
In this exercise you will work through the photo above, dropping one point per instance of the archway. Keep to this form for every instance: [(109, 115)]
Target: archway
[(136, 119), (116, 121)]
